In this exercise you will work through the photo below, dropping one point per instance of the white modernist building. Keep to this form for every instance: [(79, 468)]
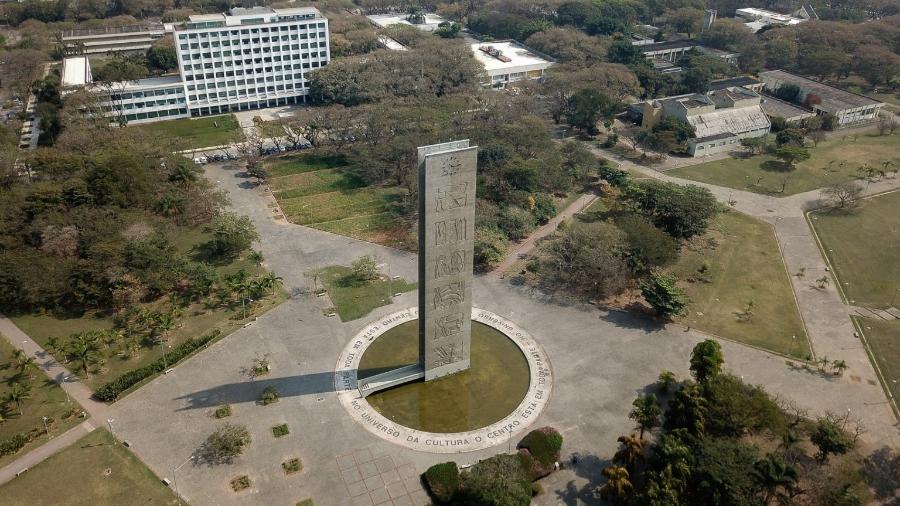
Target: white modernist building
[(756, 19), (248, 59), (427, 22), (508, 61)]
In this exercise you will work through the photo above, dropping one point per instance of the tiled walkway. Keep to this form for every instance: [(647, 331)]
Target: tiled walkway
[(376, 481)]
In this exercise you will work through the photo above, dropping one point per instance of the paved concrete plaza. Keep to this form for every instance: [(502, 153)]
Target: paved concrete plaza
[(601, 360)]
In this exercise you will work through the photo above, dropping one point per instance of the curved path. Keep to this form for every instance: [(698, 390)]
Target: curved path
[(601, 360), (824, 312)]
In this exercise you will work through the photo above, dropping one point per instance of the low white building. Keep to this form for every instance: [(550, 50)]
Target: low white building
[(426, 22), (508, 61), (720, 118), (755, 19), (849, 108)]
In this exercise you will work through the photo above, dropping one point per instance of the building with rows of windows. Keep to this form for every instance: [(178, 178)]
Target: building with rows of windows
[(247, 59)]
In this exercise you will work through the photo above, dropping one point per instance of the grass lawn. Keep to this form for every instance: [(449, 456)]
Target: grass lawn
[(196, 321), (47, 399), (764, 173), (93, 471), (354, 300), (735, 262), (321, 191), (883, 338), (196, 133), (863, 247)]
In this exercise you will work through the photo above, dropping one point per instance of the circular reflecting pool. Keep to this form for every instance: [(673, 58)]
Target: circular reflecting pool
[(492, 388)]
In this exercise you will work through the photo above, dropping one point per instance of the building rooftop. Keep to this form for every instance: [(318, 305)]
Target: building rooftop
[(239, 15), (833, 99), (689, 101), (507, 55), (781, 109), (76, 71), (731, 120), (142, 84), (771, 16), (733, 92), (384, 20), (743, 81), (672, 44)]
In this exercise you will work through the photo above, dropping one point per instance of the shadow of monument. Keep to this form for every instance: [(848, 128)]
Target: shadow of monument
[(249, 391)]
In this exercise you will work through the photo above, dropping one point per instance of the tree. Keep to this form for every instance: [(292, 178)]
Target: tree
[(490, 248), (839, 367), (816, 136), (271, 281), (17, 394), (584, 258), (232, 234), (687, 410), (683, 211), (706, 360), (162, 57), (666, 380), (255, 169), (754, 144), (226, 443), (722, 473), (661, 291), (84, 348), (587, 107), (365, 269), (631, 452), (617, 486), (257, 258), (646, 412), (448, 30), (830, 437), (843, 195), (686, 20), (648, 246), (497, 481), (790, 137), (776, 476), (622, 51), (791, 155)]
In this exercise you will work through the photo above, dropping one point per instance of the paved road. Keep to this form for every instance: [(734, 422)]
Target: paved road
[(76, 390), (601, 361), (523, 248)]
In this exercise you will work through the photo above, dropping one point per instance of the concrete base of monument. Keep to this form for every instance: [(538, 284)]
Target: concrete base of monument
[(495, 401)]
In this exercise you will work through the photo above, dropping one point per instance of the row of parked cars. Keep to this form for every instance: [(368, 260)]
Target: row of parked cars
[(203, 160)]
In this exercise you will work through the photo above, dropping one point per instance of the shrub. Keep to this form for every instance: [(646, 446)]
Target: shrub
[(662, 293), (268, 396), (544, 443), (516, 222), (281, 430), (536, 488), (616, 177), (442, 481), (240, 483), (113, 389), (499, 480), (226, 443), (544, 208), (223, 411), (490, 247), (291, 466), (306, 502)]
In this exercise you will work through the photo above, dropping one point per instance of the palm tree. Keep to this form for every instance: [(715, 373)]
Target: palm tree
[(257, 258), (839, 367), (631, 452), (17, 355), (617, 484), (272, 281), (646, 412), (25, 364), (17, 395), (775, 475), (666, 380), (84, 348), (164, 323), (183, 174), (168, 205)]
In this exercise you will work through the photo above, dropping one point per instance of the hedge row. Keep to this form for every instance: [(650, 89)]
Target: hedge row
[(15, 443), (111, 391)]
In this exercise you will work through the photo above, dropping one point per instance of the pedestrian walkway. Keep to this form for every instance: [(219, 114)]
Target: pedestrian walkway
[(523, 248), (68, 382), (824, 313), (41, 453)]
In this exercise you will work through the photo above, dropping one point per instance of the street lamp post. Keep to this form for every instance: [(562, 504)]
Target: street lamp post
[(109, 422), (175, 473)]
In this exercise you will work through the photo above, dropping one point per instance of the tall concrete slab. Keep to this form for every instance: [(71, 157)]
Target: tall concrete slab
[(446, 246)]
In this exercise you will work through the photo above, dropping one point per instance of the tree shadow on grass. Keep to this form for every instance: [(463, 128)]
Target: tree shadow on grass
[(881, 470), (775, 166)]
